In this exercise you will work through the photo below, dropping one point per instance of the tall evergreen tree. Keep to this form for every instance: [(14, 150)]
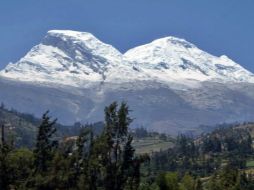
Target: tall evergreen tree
[(119, 159), (4, 150), (44, 144)]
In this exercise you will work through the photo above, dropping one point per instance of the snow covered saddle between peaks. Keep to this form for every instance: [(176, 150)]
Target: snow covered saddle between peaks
[(77, 58), (170, 84)]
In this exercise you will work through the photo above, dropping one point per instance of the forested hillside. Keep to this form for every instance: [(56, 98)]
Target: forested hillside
[(103, 156), (22, 128)]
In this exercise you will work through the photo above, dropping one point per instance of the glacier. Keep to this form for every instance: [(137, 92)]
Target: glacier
[(170, 84), (72, 58)]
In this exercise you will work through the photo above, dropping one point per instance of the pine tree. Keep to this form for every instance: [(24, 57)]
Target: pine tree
[(44, 144), (119, 159), (188, 182), (82, 155), (167, 181), (198, 184), (4, 150)]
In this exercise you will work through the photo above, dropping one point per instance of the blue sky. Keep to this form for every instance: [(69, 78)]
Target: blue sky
[(216, 26)]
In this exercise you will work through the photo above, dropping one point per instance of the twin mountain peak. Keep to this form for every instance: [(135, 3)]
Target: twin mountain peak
[(78, 58)]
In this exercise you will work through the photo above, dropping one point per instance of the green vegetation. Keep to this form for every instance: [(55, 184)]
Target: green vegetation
[(22, 128), (105, 161), (114, 158), (250, 164), (150, 145), (149, 142)]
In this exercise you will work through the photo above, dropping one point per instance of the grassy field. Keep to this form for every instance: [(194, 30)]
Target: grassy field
[(250, 164), (150, 144)]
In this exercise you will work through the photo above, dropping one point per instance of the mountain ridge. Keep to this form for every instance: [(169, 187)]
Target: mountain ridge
[(170, 84), (72, 57)]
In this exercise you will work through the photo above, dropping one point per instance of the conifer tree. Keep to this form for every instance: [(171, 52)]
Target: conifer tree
[(4, 150), (82, 155), (44, 144), (198, 184), (119, 158)]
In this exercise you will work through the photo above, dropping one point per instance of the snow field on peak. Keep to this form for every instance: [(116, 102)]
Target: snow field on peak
[(178, 59), (78, 58)]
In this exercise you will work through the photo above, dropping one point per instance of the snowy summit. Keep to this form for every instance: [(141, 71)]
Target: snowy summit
[(78, 59)]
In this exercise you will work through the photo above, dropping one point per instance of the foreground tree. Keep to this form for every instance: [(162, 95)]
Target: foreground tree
[(121, 165), (43, 154), (4, 168), (168, 181), (45, 146), (230, 178), (20, 165)]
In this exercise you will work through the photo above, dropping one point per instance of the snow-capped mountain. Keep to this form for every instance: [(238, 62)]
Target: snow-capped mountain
[(68, 57), (73, 58), (176, 59), (170, 83)]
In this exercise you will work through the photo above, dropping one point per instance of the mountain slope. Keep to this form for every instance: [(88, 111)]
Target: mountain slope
[(170, 84), (72, 58), (22, 128), (176, 59)]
